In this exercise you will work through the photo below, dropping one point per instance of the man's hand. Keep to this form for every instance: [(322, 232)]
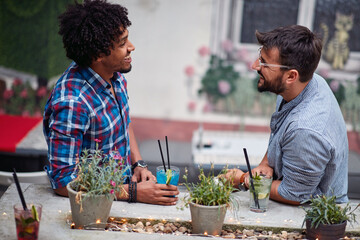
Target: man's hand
[(142, 174), (150, 192), (233, 175), (263, 168)]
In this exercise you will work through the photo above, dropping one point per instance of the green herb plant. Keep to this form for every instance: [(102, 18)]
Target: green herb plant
[(99, 174), (210, 190), (324, 210)]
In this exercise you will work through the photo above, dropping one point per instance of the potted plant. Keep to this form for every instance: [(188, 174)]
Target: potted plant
[(325, 219), (91, 194), (209, 200)]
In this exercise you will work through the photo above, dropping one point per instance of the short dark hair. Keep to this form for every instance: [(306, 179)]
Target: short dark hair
[(298, 48), (90, 29)]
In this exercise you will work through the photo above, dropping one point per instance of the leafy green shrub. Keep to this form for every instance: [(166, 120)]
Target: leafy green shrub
[(209, 191)]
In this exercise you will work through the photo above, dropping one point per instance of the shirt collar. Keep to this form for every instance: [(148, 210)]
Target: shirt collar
[(95, 80)]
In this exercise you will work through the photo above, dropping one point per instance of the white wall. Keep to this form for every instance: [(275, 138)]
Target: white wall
[(167, 35)]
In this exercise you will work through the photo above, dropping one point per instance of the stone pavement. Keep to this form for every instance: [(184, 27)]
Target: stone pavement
[(54, 224)]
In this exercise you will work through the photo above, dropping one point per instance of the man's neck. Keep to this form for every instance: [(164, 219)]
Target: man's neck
[(99, 69), (291, 93)]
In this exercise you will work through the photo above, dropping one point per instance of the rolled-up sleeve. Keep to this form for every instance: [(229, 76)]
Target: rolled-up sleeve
[(305, 157), (67, 125)]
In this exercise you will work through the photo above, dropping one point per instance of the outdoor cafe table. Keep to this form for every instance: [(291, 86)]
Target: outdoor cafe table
[(56, 211)]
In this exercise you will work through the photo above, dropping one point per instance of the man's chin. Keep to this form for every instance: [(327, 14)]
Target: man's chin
[(125, 70), (261, 87)]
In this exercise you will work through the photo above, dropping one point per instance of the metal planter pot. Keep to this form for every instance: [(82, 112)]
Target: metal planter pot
[(91, 212), (207, 219), (325, 231)]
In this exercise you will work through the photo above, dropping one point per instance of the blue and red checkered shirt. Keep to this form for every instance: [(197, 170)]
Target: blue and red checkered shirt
[(81, 109)]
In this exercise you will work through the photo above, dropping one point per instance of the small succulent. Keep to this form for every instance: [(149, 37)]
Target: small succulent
[(324, 210)]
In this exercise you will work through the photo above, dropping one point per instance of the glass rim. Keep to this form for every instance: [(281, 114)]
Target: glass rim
[(28, 205), (172, 167)]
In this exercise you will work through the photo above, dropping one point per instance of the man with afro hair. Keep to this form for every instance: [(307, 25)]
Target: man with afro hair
[(89, 103)]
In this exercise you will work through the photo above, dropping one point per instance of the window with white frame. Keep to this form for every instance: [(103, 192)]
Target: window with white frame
[(237, 20)]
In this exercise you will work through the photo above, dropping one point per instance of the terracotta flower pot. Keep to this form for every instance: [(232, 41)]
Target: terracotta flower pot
[(325, 231), (90, 211), (207, 219)]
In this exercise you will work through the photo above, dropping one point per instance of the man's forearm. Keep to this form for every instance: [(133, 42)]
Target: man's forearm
[(134, 148), (274, 194)]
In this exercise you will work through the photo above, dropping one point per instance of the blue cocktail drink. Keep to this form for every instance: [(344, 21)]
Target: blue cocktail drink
[(163, 178)]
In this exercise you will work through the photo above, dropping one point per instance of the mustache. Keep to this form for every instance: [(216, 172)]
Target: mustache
[(260, 74)]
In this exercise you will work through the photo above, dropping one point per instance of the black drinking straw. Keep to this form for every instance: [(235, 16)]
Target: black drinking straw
[(162, 156), (19, 190), (167, 151), (251, 178)]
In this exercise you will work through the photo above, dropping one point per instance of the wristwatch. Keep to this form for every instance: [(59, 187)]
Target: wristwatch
[(140, 163), (242, 185)]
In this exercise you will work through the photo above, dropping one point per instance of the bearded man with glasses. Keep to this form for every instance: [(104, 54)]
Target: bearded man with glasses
[(308, 147)]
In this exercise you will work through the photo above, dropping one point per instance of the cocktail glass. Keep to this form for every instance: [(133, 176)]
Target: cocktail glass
[(27, 221), (262, 185), (162, 177)]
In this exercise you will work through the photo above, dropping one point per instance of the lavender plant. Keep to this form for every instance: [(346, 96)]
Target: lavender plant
[(99, 174)]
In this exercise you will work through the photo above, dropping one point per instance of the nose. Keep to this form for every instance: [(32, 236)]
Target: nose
[(256, 65), (131, 47)]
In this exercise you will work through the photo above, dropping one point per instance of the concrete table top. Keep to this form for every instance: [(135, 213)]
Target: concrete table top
[(56, 212)]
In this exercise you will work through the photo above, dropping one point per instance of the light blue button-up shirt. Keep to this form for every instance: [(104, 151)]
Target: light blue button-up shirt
[(308, 146)]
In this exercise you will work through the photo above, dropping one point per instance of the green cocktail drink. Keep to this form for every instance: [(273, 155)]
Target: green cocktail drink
[(262, 185)]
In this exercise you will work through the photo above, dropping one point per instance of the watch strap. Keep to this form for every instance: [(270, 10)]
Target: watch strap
[(140, 163)]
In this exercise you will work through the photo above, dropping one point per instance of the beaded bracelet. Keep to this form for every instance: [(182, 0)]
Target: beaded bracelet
[(132, 192)]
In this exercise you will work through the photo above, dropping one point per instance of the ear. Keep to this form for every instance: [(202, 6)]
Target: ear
[(292, 76), (99, 58)]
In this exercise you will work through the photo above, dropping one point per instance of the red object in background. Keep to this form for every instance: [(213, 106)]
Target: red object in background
[(13, 129)]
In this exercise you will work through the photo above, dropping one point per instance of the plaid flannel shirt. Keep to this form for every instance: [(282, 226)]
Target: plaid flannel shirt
[(81, 109)]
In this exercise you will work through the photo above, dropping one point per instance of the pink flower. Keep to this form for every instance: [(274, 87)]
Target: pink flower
[(117, 156), (227, 45), (24, 93), (191, 106), (2, 111), (242, 55), (17, 82), (97, 140), (207, 108), (324, 73), (112, 191), (112, 183), (189, 71), (25, 113), (8, 94), (334, 85), (37, 113), (224, 87), (204, 51), (41, 92)]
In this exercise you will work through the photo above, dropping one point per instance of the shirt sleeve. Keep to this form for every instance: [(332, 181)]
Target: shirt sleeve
[(305, 156), (67, 125)]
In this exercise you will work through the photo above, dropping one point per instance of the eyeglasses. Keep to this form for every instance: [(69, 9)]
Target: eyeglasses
[(269, 64)]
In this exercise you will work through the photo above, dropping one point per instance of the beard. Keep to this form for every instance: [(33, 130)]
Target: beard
[(276, 86), (125, 70)]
